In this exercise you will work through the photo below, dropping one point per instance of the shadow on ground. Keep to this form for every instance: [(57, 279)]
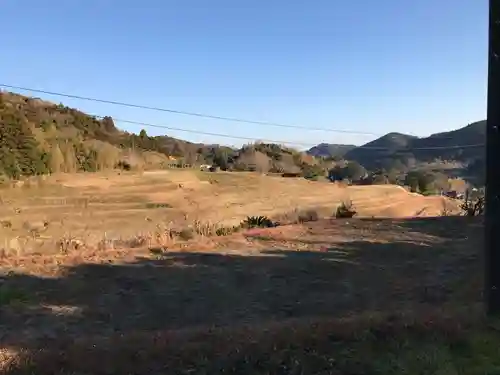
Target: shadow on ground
[(190, 291), (453, 228), (180, 290)]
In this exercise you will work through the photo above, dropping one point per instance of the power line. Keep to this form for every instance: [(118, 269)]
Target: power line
[(228, 119), (195, 114), (145, 124)]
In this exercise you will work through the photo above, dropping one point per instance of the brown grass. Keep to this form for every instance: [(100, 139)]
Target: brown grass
[(211, 304), (370, 343), (117, 208)]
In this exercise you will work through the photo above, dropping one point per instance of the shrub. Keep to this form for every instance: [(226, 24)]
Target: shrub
[(123, 165), (351, 171), (307, 216), (226, 231), (204, 229), (67, 244), (135, 242), (313, 172), (426, 182), (445, 211), (286, 218), (345, 210), (211, 229), (380, 179), (295, 216), (164, 235), (472, 207), (257, 222)]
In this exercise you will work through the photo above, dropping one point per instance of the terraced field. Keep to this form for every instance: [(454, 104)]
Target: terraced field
[(93, 207)]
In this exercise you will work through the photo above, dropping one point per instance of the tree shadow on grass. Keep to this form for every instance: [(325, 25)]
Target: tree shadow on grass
[(184, 290), (187, 290), (447, 227)]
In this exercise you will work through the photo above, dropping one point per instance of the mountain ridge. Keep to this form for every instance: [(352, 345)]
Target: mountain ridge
[(464, 145), (330, 149)]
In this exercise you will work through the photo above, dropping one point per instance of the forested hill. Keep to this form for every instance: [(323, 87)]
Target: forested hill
[(330, 150), (400, 151), (38, 137)]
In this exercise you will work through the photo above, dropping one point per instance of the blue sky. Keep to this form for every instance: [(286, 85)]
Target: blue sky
[(363, 65)]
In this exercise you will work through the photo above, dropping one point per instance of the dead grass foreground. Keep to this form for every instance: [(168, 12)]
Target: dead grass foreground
[(427, 341), (327, 268), (277, 304)]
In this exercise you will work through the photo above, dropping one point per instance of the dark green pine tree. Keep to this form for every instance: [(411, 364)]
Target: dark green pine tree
[(20, 154)]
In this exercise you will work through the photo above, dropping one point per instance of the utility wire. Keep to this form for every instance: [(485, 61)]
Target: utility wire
[(195, 114), (145, 124), (149, 125), (229, 119)]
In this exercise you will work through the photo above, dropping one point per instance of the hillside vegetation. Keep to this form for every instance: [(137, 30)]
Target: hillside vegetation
[(37, 137), (330, 150)]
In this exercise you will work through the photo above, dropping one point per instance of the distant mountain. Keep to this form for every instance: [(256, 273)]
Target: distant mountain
[(330, 150), (459, 145), (375, 153), (396, 150)]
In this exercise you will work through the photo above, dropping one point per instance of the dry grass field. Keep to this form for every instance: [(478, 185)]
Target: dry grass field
[(111, 209), (368, 295)]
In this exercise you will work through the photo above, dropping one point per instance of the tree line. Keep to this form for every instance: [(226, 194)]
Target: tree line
[(38, 137)]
